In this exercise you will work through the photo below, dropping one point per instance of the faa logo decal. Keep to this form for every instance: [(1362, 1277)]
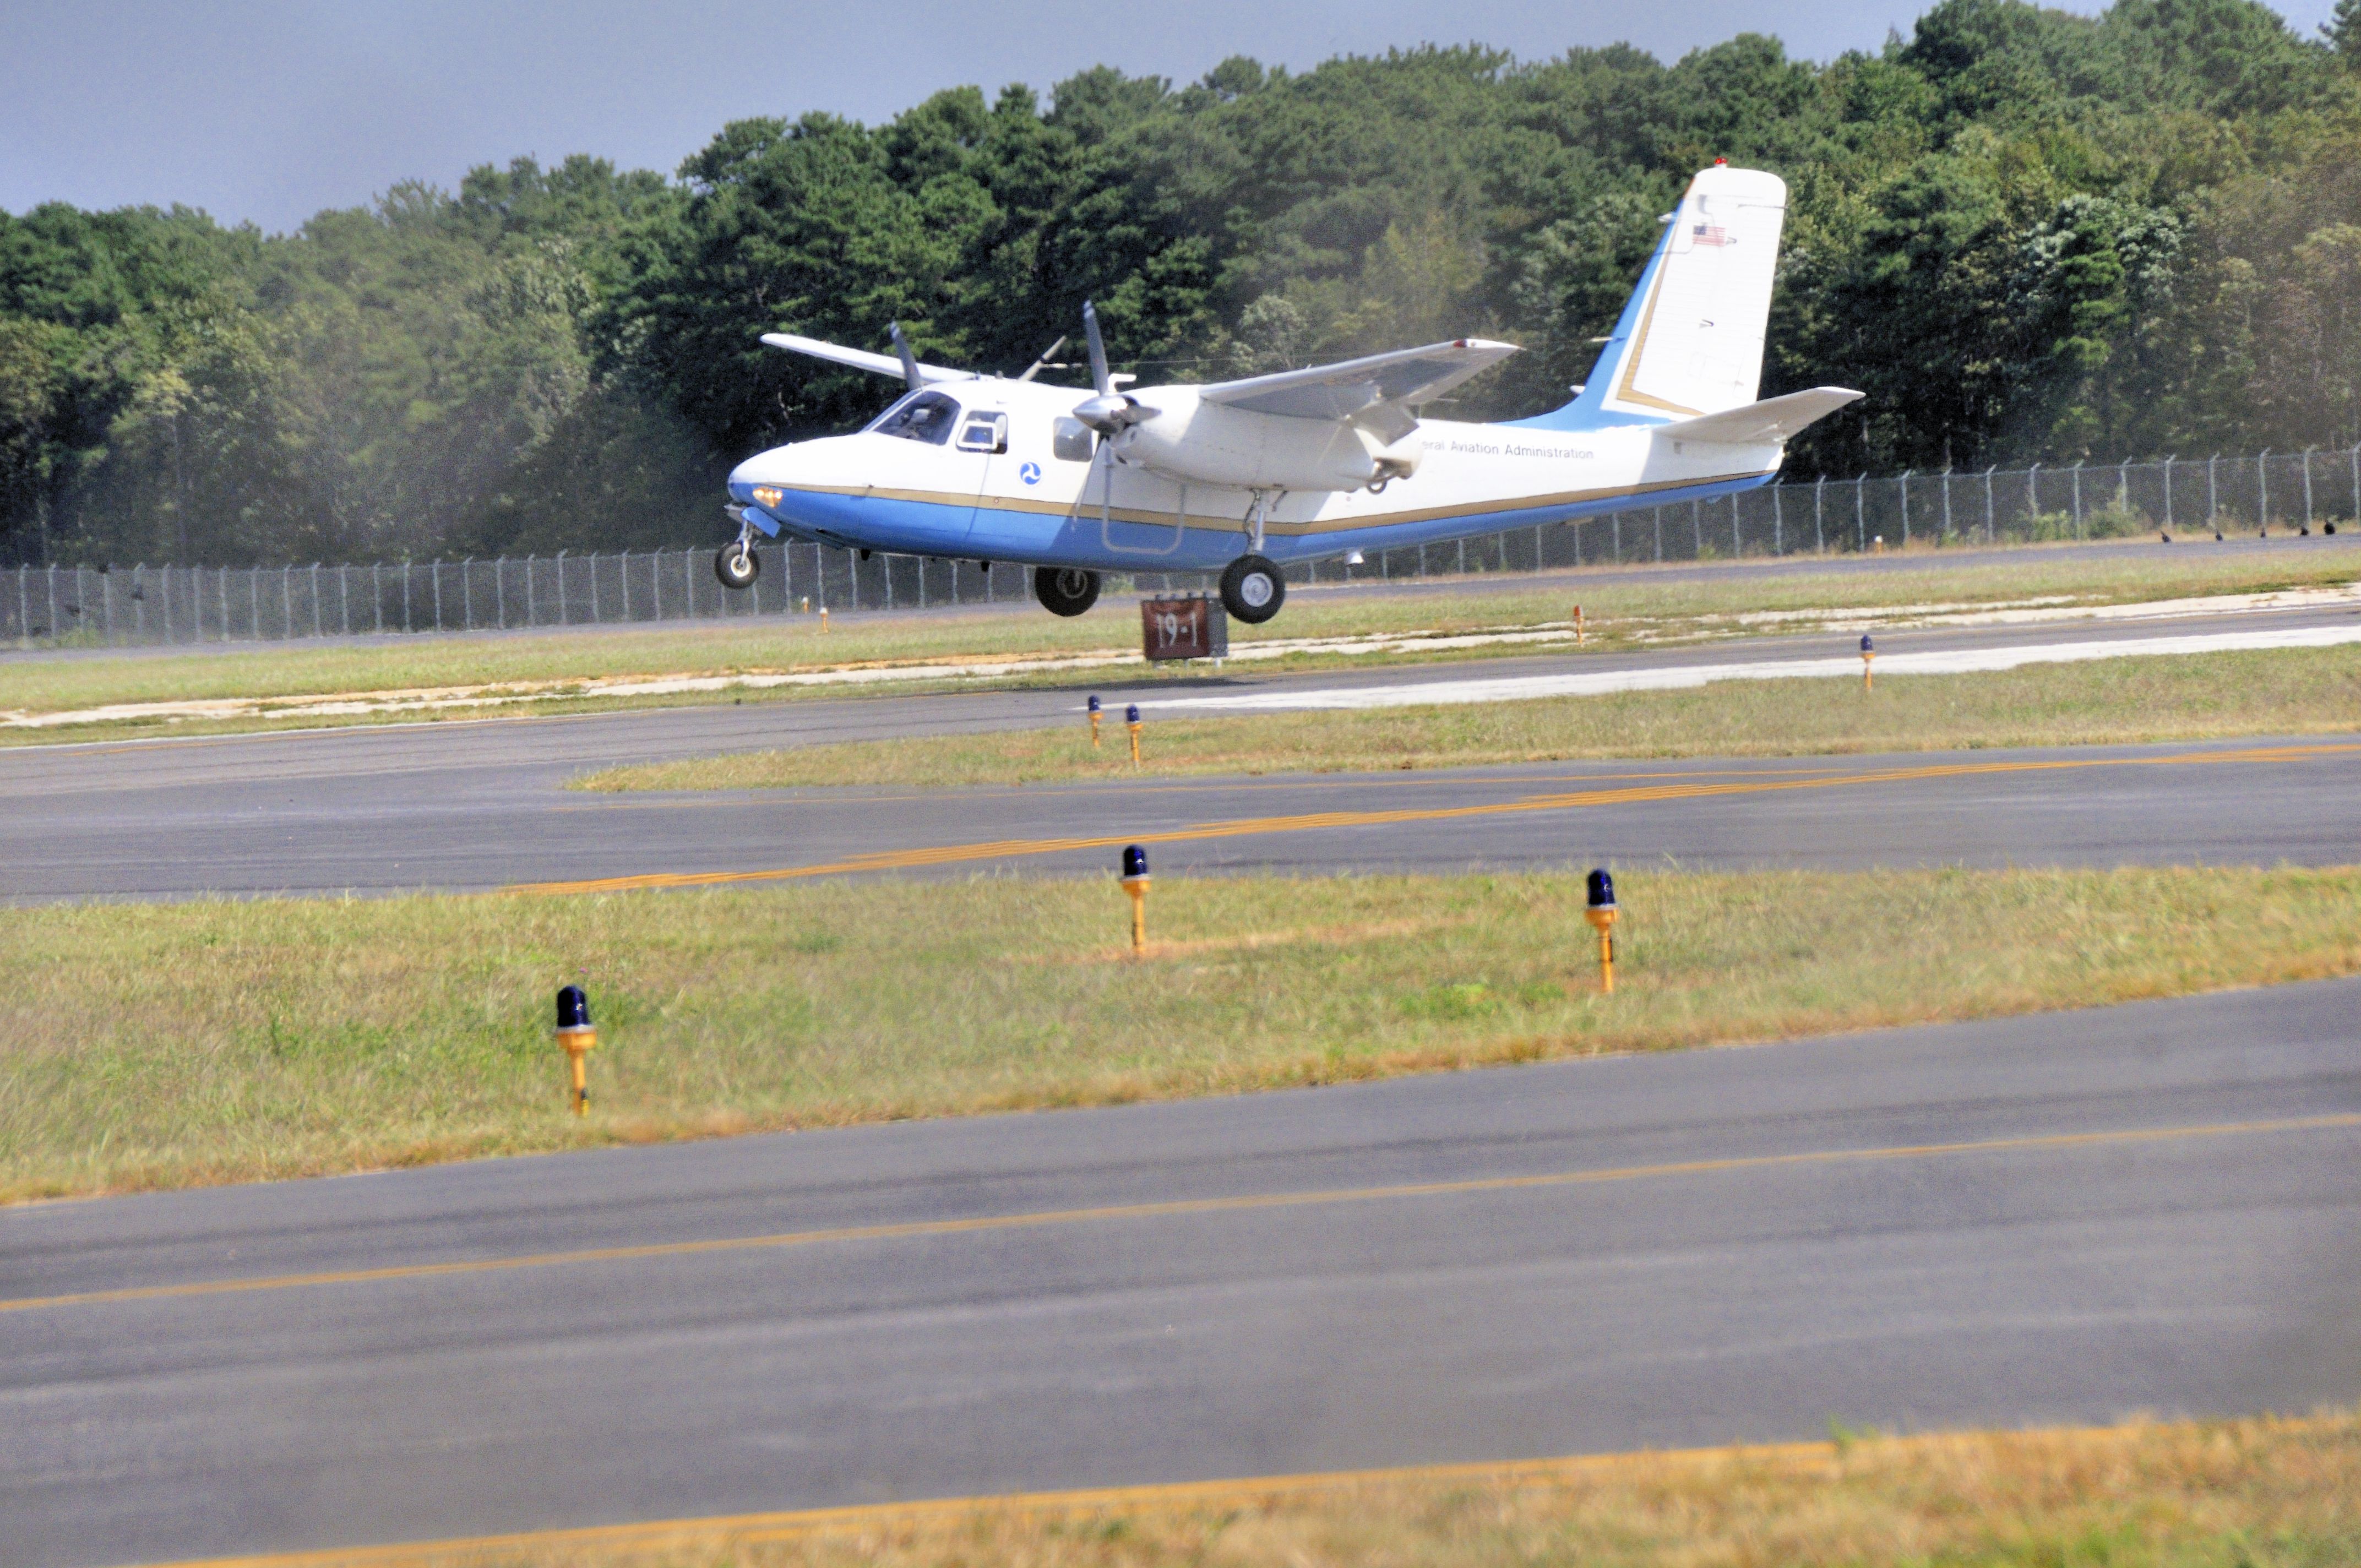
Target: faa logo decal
[(1030, 473)]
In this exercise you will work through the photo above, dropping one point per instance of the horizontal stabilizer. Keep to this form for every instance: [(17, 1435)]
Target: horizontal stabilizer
[(860, 358), (1772, 420)]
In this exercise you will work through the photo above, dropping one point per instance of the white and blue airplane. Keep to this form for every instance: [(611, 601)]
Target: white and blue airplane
[(1246, 477)]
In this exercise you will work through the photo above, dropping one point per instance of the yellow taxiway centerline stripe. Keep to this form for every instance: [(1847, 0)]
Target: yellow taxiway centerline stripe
[(1177, 1208), (1234, 1491), (1009, 849)]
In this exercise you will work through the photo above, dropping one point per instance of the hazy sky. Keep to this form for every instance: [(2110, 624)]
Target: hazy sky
[(270, 110)]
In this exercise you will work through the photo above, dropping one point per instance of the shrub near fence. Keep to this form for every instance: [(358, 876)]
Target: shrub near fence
[(104, 607)]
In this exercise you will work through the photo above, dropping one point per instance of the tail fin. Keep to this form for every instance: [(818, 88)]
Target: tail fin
[(1690, 341)]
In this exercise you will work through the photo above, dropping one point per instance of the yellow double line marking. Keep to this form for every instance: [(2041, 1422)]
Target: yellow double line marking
[(1245, 1203), (1010, 849)]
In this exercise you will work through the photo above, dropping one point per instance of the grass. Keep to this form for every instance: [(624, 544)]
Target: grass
[(1622, 608), (2196, 696), (158, 1046), (2225, 1493)]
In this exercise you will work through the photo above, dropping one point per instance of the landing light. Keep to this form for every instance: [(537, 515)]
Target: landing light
[(769, 495)]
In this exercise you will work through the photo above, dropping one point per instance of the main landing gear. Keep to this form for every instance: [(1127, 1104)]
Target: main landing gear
[(1065, 590), (1252, 589)]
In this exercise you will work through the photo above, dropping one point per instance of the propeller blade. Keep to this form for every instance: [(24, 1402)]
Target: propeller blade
[(1043, 363), (910, 376), (1100, 382)]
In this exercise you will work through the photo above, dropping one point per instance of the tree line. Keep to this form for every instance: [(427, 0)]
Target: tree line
[(2026, 234)]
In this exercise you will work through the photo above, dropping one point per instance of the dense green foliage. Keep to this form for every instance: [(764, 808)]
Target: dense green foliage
[(2026, 234)]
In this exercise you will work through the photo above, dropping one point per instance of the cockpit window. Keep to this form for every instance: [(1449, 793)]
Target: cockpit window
[(921, 416)]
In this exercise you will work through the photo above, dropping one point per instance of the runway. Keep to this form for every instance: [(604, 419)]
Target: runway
[(2050, 1220), (479, 806)]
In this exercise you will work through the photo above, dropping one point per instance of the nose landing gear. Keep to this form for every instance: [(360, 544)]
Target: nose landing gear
[(737, 565)]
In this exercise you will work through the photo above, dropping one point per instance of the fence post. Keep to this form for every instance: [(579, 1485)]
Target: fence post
[(2078, 497), (1946, 503), (435, 567), (2356, 492), (56, 633), (1778, 521), (1819, 522), (2123, 485), (2167, 490), (1697, 531), (1615, 532), (2307, 489), (594, 588), (1988, 504), (2262, 493), (106, 608), (501, 592), (561, 587), (467, 592), (1906, 508), (286, 602), (819, 572), (532, 610), (409, 621), (1860, 513), (2212, 497)]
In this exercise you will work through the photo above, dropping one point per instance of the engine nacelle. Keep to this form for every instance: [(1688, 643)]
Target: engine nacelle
[(1199, 442)]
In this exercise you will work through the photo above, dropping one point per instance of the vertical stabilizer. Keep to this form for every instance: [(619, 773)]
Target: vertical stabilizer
[(1690, 340)]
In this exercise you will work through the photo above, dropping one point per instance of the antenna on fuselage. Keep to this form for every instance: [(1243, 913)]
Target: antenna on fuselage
[(910, 376), (1043, 363)]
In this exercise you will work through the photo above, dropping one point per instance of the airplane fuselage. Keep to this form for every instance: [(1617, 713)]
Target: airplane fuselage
[(1007, 474)]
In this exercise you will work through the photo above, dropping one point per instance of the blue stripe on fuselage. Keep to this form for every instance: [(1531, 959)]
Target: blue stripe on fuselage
[(987, 532)]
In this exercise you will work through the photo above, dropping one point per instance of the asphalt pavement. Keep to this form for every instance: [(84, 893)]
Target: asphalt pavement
[(461, 805), (2063, 1218)]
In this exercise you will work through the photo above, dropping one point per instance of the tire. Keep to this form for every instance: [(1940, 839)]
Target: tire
[(1065, 590), (1252, 589), (737, 564)]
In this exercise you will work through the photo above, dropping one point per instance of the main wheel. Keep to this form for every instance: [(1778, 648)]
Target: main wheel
[(1065, 590), (737, 565), (1252, 589)]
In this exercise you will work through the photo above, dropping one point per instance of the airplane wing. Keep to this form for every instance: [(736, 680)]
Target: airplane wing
[(1380, 390), (859, 358), (1759, 424)]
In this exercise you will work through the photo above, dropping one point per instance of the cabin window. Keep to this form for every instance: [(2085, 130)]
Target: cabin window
[(921, 416), (984, 432), (1073, 441)]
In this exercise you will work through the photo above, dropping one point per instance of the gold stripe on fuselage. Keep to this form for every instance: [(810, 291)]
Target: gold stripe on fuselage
[(1083, 512)]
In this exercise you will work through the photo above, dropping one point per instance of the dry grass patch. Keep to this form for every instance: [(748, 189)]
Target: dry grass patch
[(150, 1046), (2198, 696), (2213, 1495)]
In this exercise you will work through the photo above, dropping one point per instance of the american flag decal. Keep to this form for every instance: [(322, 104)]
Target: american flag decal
[(1710, 233)]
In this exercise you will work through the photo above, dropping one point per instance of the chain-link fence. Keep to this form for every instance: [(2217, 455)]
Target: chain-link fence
[(148, 605)]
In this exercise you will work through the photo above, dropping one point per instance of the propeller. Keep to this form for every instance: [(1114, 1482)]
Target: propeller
[(1044, 362), (910, 376), (1111, 410)]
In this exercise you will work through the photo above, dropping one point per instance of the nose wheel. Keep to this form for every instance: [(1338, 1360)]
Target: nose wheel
[(1252, 589), (737, 565)]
